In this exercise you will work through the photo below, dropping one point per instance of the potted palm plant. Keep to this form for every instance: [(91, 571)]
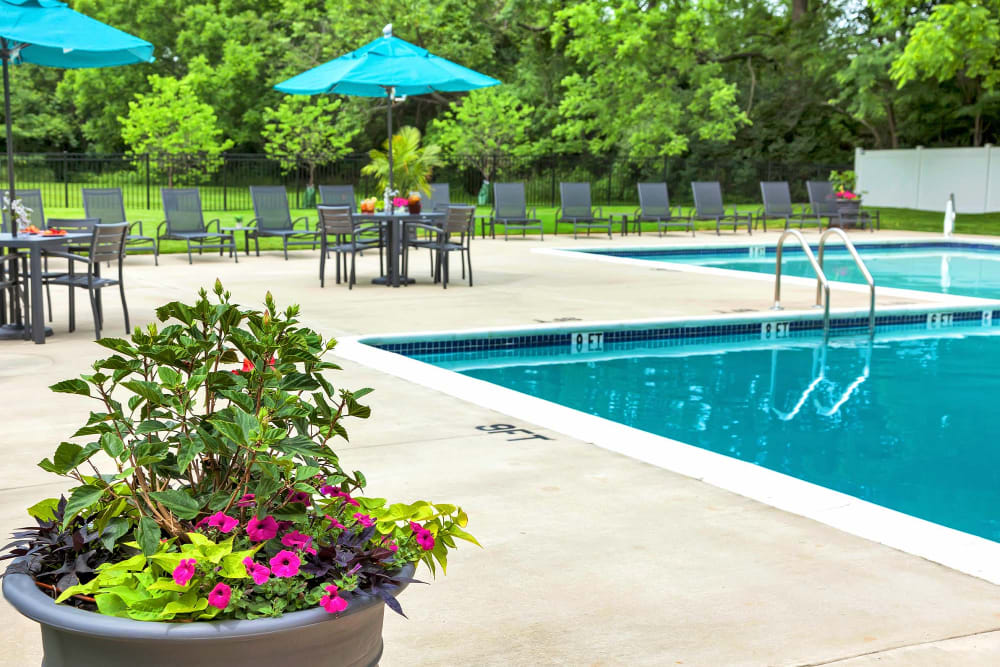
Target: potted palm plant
[(209, 520), (412, 164)]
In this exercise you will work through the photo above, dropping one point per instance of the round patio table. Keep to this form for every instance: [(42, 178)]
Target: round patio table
[(395, 225)]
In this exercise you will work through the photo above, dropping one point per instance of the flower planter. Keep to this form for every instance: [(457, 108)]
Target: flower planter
[(76, 638), (849, 207)]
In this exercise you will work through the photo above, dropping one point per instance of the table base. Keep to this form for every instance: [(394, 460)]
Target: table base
[(385, 280), (16, 332)]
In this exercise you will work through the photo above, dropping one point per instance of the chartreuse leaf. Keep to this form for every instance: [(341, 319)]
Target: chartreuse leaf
[(187, 603), (461, 534), (44, 510), (168, 584), (80, 589), (232, 564)]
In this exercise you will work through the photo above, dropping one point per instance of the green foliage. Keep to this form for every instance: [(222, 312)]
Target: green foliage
[(412, 164), (308, 130), (216, 422), (485, 123), (173, 126), (843, 180)]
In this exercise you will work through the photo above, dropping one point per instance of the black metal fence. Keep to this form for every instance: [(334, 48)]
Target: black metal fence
[(225, 183)]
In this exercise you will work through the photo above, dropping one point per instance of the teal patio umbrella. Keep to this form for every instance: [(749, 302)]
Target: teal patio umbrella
[(387, 67), (47, 32)]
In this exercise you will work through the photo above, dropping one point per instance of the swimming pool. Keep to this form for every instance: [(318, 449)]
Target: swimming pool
[(963, 269)]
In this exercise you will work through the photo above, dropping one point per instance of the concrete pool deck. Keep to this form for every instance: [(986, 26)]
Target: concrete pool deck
[(590, 558)]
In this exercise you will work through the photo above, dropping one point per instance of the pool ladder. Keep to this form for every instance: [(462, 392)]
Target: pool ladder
[(822, 284)]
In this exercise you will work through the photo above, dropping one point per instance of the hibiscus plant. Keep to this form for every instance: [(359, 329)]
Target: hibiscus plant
[(206, 486)]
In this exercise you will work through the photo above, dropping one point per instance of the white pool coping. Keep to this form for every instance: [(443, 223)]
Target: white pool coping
[(961, 551)]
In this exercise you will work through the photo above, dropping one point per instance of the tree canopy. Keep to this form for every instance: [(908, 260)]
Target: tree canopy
[(783, 80)]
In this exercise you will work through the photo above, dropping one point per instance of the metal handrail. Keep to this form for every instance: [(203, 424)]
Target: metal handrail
[(858, 262), (822, 286)]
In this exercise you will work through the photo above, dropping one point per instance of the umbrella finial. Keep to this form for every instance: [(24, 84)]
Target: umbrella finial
[(387, 30)]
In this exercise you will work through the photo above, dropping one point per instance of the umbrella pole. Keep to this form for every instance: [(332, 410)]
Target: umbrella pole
[(388, 126), (5, 54)]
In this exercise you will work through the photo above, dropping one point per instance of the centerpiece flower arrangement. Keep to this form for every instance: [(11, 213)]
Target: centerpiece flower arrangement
[(17, 211), (206, 486)]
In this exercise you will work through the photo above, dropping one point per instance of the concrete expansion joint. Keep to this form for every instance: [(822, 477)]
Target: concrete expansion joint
[(891, 649)]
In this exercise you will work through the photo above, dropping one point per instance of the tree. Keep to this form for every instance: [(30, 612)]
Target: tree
[(412, 164), (177, 130), (309, 131), (485, 123)]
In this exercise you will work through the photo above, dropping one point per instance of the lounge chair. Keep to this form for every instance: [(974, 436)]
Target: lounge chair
[(185, 222), (348, 238), (708, 206), (108, 206), (273, 218), (654, 206), (511, 210), (778, 205), (575, 209), (823, 204), (338, 195)]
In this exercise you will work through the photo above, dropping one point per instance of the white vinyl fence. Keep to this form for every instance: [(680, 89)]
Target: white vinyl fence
[(923, 178)]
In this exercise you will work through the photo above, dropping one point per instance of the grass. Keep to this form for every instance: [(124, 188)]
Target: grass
[(891, 218)]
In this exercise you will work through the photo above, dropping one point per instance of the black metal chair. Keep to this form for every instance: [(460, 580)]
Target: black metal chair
[(273, 218), (107, 244), (32, 200), (575, 208), (458, 220), (823, 203), (708, 206), (108, 206), (438, 200), (778, 205), (348, 236), (338, 195), (654, 206), (186, 222), (510, 209)]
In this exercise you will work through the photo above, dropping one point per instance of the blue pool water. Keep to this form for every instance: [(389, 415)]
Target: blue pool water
[(942, 268), (906, 424)]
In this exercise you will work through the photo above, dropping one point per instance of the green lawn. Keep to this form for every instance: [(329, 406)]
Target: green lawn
[(892, 218)]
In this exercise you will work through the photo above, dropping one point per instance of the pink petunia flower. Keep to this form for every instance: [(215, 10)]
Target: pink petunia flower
[(389, 544), (246, 500), (424, 537), (334, 492), (364, 519), (259, 573), (334, 523), (332, 602), (223, 522), (219, 596), (296, 540), (285, 564), (184, 571), (299, 497), (259, 530)]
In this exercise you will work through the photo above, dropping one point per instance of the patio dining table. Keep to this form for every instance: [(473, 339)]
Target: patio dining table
[(34, 244), (395, 224)]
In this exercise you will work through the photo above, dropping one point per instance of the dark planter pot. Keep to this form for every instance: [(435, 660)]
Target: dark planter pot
[(849, 207), (75, 638)]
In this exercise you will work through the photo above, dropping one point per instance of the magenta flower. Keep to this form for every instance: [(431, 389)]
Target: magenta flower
[(184, 571), (219, 596), (331, 602), (334, 492), (299, 497), (364, 519), (259, 573), (296, 540), (334, 523), (389, 544), (259, 530), (246, 500), (327, 490), (285, 564), (222, 522), (424, 537)]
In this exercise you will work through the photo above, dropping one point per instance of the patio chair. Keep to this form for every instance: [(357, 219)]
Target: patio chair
[(778, 205), (273, 218), (708, 206), (108, 206), (511, 211), (823, 204), (349, 237), (338, 195), (439, 198), (32, 200), (458, 221), (654, 206), (185, 222), (575, 209), (106, 245)]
